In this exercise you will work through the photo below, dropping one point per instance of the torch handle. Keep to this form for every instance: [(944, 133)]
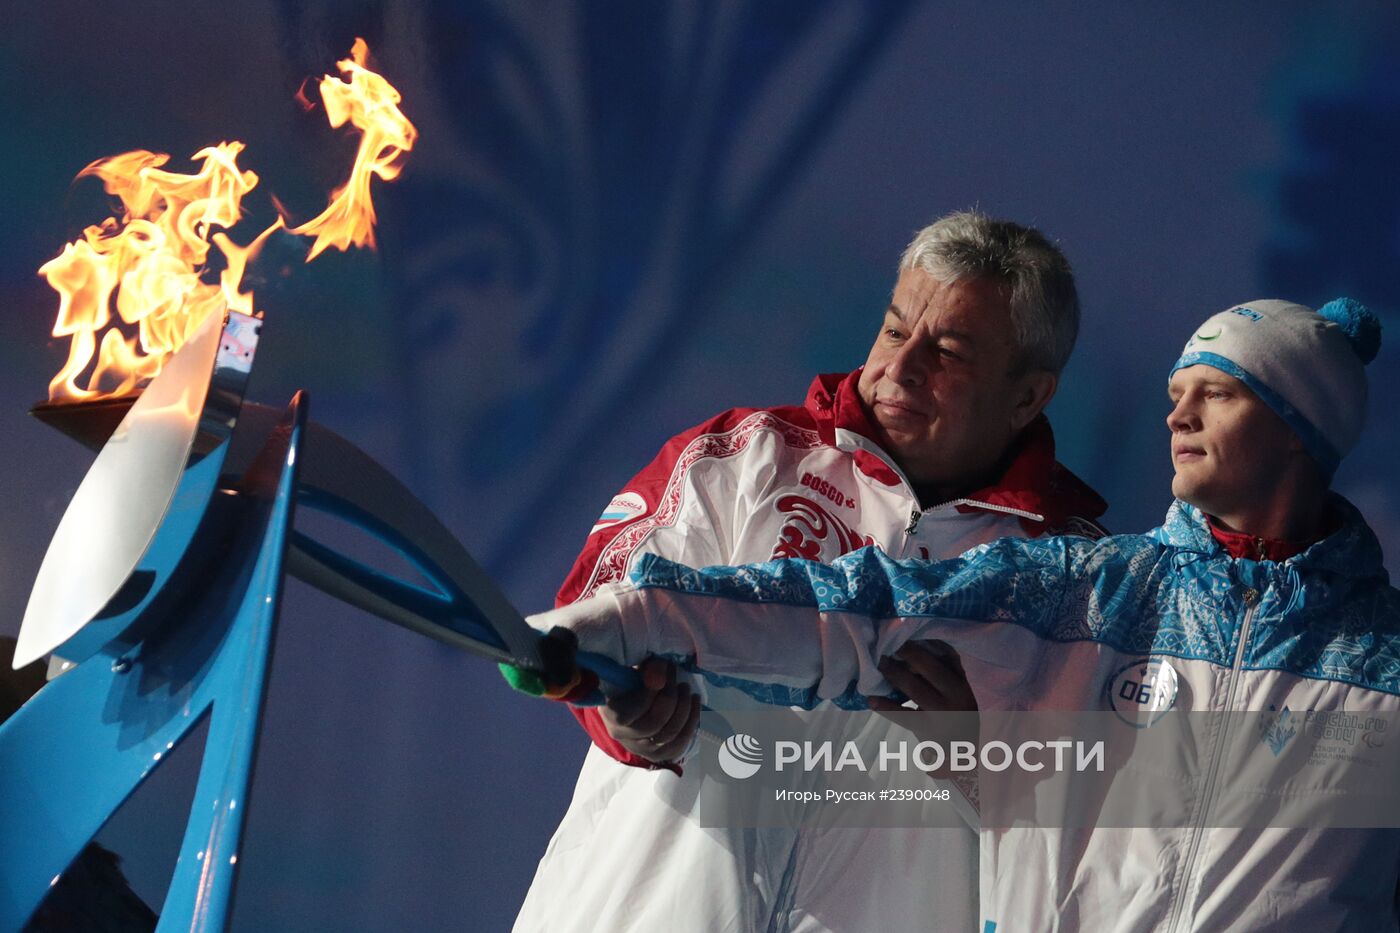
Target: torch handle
[(614, 679), (460, 605)]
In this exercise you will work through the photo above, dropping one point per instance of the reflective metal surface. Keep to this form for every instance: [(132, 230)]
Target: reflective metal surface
[(463, 607), (163, 582), (87, 740), (88, 423), (135, 512)]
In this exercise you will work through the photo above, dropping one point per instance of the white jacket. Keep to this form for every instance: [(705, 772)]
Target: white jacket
[(1057, 624), (751, 485)]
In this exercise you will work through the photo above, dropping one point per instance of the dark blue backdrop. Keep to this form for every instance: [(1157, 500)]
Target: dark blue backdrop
[(621, 218)]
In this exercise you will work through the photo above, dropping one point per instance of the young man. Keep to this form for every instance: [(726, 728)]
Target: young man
[(937, 444), (1261, 591)]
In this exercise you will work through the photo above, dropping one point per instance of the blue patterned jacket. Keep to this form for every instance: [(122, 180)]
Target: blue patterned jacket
[(1054, 623)]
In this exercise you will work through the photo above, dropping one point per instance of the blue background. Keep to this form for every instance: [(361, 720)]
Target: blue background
[(621, 218)]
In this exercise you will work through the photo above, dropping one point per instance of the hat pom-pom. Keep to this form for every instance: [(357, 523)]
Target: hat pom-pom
[(1358, 322)]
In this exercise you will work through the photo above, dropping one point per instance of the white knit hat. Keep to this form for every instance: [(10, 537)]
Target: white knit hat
[(1308, 366)]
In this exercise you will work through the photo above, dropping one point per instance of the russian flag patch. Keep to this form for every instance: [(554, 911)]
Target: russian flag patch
[(622, 508)]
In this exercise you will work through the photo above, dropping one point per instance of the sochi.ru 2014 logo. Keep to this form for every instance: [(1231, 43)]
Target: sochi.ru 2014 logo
[(740, 756), (1277, 729)]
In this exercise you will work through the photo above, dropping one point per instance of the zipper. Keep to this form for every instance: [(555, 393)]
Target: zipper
[(914, 517), (857, 442), (1251, 599), (917, 514), (989, 507)]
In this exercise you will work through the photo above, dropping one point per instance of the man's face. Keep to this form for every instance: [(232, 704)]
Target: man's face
[(1229, 449), (938, 382)]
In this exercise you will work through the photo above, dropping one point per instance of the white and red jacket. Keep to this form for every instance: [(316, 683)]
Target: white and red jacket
[(751, 485)]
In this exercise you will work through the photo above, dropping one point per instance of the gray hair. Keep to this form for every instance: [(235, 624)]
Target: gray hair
[(1044, 302)]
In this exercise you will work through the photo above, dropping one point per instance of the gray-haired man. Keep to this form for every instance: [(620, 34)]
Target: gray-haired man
[(937, 444)]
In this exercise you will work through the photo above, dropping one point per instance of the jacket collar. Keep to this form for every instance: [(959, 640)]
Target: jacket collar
[(1350, 551), (1034, 483), (1238, 544)]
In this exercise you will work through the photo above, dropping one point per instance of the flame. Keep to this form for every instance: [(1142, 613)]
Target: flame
[(151, 265), (146, 265), (370, 104)]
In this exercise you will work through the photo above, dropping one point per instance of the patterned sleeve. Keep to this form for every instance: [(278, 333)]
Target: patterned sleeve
[(752, 626)]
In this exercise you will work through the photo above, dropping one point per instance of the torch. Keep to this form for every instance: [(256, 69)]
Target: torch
[(160, 589)]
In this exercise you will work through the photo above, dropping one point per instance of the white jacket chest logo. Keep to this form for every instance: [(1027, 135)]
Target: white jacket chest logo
[(812, 532)]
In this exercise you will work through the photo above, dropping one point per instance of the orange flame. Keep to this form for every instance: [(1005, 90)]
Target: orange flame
[(370, 104), (150, 265)]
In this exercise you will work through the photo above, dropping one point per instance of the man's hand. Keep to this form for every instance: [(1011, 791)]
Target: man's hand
[(657, 720), (931, 674)]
